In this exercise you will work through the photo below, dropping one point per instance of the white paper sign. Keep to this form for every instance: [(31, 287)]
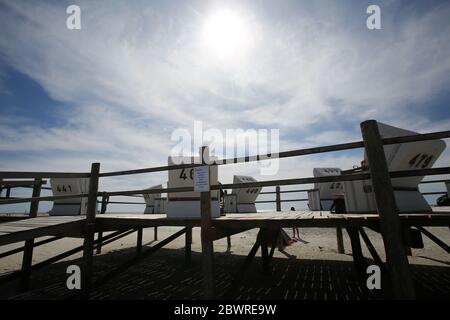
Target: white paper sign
[(201, 179)]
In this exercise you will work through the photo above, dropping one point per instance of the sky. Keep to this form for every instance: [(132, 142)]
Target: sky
[(116, 90)]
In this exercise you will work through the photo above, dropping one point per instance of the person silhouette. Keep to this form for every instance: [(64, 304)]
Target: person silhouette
[(295, 229)]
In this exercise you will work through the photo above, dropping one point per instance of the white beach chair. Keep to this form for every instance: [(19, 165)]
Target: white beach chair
[(321, 197), (243, 199), (153, 202), (65, 187), (359, 196), (187, 204)]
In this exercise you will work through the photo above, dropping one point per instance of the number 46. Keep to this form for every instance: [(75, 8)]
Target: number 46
[(183, 174)]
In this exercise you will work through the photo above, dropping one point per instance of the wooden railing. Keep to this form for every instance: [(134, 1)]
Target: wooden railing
[(378, 173)]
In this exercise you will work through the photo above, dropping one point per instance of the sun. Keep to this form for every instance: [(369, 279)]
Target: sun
[(226, 34)]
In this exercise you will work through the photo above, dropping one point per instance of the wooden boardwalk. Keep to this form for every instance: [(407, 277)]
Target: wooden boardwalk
[(24, 229), (21, 230)]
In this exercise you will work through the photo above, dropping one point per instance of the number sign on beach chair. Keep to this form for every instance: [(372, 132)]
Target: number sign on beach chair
[(244, 197), (321, 197), (187, 204), (65, 187), (154, 202), (359, 196)]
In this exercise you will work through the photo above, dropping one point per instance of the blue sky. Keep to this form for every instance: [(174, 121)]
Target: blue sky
[(115, 90)]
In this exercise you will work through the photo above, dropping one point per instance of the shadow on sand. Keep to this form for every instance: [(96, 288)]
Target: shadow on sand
[(164, 276)]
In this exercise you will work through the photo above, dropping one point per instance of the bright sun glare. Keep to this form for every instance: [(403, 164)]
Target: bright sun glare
[(225, 33)]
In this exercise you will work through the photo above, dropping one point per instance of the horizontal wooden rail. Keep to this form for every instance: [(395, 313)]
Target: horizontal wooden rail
[(124, 202), (283, 154), (431, 193), (41, 175), (350, 177), (293, 153), (145, 191), (280, 155), (30, 187), (20, 183), (420, 172), (286, 154), (49, 198), (286, 200), (149, 170), (435, 181), (417, 137), (271, 183), (285, 191)]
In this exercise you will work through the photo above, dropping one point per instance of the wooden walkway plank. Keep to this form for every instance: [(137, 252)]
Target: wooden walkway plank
[(9, 233)]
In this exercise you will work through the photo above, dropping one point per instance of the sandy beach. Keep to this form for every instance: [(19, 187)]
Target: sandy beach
[(308, 269)]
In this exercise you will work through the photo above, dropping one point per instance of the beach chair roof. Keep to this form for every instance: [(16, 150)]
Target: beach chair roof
[(245, 195), (408, 156), (327, 189)]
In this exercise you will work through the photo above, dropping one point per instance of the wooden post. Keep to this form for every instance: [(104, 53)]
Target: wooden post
[(29, 244), (105, 200), (371, 248), (89, 229), (155, 231), (278, 198), (358, 257), (264, 251), (407, 239), (8, 192), (188, 246), (391, 229), (140, 232), (340, 240), (206, 237)]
